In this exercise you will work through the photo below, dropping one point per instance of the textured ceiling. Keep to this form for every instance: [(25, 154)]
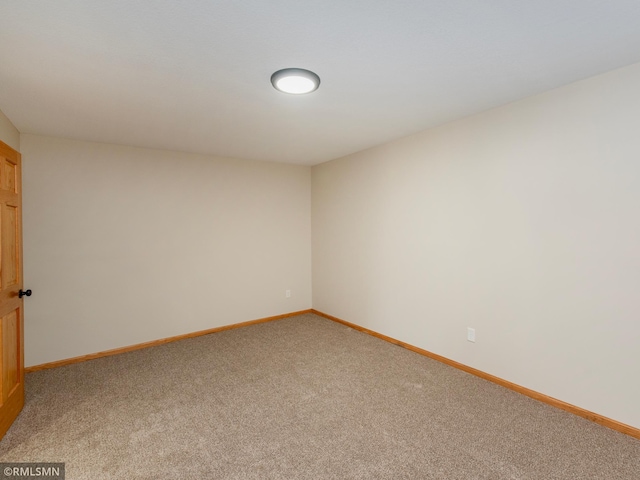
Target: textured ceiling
[(194, 75)]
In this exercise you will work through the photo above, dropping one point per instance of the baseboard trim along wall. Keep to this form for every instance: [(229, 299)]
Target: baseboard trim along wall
[(594, 417), (153, 343)]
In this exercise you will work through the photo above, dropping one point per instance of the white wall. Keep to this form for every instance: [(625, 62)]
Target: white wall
[(8, 133), (522, 222), (126, 245)]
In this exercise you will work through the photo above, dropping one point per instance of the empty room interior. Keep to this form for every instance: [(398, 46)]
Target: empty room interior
[(421, 262)]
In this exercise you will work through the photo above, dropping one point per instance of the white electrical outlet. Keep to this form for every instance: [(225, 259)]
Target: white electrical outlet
[(471, 334), (287, 294)]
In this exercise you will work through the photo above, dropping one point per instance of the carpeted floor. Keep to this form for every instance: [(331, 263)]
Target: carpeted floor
[(300, 398)]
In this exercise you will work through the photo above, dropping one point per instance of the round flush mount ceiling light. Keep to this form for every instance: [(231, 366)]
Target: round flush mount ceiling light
[(296, 81)]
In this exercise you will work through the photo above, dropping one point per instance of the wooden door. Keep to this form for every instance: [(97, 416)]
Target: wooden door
[(11, 325)]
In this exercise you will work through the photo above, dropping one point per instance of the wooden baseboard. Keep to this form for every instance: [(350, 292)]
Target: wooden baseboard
[(594, 417), (162, 341)]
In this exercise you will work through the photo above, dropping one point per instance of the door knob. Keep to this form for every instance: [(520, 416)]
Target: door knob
[(22, 293)]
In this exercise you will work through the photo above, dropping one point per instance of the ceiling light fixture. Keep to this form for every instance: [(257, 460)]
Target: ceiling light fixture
[(296, 81)]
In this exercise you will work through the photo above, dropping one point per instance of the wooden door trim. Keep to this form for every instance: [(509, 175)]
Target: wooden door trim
[(12, 401)]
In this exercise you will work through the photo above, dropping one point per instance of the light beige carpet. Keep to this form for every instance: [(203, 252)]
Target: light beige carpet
[(300, 398)]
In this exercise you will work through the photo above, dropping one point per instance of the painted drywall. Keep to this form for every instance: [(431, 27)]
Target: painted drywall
[(8, 133), (521, 222), (126, 245)]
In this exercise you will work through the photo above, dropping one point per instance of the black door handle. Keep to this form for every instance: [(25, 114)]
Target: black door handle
[(22, 293)]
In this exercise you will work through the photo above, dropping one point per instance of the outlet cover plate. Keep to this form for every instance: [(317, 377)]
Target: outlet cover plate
[(471, 334)]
